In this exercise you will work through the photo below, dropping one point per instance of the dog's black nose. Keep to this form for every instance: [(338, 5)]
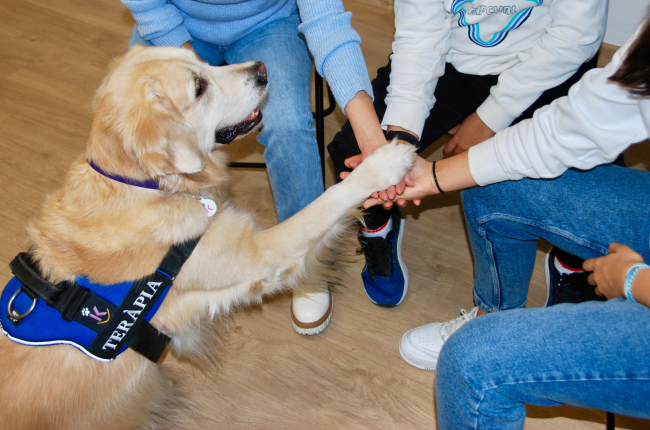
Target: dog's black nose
[(261, 74)]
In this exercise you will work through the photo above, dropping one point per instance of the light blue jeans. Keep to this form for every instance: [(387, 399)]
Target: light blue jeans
[(594, 354), (291, 152)]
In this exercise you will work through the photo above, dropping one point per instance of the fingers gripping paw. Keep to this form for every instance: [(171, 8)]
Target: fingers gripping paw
[(386, 166)]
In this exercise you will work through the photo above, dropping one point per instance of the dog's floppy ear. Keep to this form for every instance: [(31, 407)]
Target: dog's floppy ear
[(159, 137), (134, 50)]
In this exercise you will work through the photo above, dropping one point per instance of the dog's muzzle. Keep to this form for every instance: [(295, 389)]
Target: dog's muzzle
[(228, 134)]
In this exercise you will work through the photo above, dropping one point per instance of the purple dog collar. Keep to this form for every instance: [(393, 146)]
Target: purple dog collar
[(150, 184)]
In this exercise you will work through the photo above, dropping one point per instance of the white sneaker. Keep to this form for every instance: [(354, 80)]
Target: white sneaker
[(421, 346), (311, 309)]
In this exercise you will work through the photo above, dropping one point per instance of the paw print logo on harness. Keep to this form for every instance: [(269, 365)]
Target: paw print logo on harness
[(96, 315)]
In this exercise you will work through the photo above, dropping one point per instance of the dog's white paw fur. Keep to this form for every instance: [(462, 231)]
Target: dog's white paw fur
[(385, 167)]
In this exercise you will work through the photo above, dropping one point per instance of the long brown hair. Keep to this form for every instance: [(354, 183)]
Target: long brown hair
[(634, 73)]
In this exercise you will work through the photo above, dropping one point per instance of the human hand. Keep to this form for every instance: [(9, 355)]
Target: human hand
[(471, 132), (610, 271), (368, 149), (423, 185)]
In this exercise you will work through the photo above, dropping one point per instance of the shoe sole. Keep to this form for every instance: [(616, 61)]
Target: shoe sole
[(305, 329), (412, 363), (405, 272)]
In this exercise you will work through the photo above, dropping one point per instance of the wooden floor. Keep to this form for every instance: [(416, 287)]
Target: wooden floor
[(53, 54)]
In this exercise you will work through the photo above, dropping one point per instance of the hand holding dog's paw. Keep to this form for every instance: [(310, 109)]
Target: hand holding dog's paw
[(385, 167), (423, 185)]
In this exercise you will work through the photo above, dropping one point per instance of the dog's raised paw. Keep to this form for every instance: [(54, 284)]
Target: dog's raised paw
[(386, 166)]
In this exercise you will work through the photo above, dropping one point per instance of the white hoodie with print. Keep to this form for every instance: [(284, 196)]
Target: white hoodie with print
[(533, 45)]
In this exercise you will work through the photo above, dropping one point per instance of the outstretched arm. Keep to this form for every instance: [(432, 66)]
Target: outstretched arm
[(452, 174), (365, 124), (370, 136)]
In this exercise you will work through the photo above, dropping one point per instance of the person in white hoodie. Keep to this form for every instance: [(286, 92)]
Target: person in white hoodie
[(470, 68), (550, 177)]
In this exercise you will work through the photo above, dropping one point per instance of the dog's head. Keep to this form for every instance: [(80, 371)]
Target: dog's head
[(160, 112)]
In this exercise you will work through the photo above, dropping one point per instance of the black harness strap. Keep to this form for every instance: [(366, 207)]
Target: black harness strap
[(65, 297), (149, 342), (69, 298), (176, 257)]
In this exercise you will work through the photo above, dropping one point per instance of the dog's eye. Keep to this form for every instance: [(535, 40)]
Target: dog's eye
[(200, 85)]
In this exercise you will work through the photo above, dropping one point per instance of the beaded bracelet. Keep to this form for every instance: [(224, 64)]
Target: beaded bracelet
[(631, 272), (435, 178)]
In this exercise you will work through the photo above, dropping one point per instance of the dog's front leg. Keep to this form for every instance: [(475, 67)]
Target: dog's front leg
[(312, 226), (243, 263)]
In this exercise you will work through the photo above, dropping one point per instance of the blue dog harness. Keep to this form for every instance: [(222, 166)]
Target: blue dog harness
[(99, 320)]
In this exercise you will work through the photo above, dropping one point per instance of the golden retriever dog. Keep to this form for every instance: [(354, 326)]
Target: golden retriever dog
[(161, 115)]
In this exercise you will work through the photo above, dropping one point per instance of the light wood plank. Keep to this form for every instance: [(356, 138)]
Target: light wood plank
[(53, 55), (606, 53)]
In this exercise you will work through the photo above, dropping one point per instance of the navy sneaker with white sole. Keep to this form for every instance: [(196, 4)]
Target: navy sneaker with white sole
[(563, 287), (385, 276)]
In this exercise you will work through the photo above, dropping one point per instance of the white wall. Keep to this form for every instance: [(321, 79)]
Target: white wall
[(623, 18)]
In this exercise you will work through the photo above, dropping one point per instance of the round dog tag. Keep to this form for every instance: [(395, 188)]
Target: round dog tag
[(209, 205)]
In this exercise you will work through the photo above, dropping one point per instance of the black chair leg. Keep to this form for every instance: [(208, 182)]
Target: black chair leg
[(320, 122), (611, 421), (319, 116), (247, 165)]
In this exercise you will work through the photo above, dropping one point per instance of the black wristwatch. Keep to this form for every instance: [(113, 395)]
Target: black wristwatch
[(402, 135)]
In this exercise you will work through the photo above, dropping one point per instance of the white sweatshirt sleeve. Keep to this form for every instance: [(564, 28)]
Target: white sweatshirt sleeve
[(597, 121), (573, 37), (422, 41)]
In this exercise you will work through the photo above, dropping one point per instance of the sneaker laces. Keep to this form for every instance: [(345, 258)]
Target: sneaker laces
[(450, 327), (378, 252)]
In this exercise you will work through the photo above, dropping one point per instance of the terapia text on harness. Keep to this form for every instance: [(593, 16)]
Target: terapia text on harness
[(100, 320)]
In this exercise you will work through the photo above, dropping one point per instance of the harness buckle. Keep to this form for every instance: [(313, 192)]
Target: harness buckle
[(13, 314)]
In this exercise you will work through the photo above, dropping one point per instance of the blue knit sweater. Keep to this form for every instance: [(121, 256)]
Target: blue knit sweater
[(330, 37)]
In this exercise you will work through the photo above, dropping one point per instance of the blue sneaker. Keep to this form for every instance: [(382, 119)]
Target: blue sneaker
[(385, 277)]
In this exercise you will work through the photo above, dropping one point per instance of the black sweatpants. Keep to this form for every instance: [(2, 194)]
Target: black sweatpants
[(458, 95)]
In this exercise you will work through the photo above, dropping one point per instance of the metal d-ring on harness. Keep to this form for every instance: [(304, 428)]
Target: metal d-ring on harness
[(14, 314), (100, 320)]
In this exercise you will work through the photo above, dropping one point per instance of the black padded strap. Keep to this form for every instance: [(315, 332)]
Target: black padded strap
[(177, 256), (149, 342), (145, 338), (35, 284), (71, 301), (65, 297)]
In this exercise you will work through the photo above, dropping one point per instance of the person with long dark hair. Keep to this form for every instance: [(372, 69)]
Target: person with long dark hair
[(592, 354)]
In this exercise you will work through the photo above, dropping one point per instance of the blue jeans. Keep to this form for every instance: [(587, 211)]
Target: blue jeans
[(581, 212), (594, 354), (291, 152)]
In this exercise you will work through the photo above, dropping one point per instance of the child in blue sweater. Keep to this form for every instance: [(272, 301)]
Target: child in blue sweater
[(282, 34)]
